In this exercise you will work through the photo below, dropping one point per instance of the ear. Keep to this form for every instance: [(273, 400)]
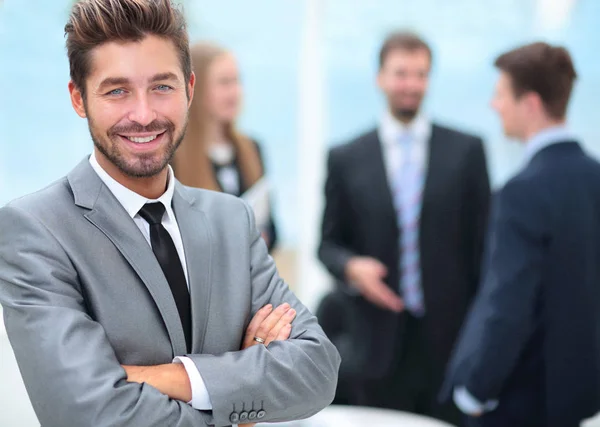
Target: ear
[(380, 80), (191, 85), (534, 102), (77, 100)]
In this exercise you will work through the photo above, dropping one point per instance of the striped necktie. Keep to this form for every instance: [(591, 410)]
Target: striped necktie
[(408, 192)]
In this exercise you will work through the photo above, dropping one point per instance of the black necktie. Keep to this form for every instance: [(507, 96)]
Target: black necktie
[(166, 254)]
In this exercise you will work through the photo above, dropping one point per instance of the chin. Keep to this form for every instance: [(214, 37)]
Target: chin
[(228, 118), (508, 132), (145, 169), (406, 112)]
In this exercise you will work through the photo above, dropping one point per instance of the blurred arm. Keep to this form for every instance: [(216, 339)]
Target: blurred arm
[(478, 199), (509, 292), (333, 252)]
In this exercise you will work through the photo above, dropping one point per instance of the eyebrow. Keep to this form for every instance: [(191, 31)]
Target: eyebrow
[(163, 76), (117, 81)]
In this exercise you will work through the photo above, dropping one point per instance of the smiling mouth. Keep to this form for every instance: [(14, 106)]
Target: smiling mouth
[(142, 139)]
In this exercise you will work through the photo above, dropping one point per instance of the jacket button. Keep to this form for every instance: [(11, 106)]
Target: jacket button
[(252, 415), (244, 416), (234, 418), (261, 414)]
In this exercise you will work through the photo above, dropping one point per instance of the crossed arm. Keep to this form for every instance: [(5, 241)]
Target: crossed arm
[(74, 377), (173, 380)]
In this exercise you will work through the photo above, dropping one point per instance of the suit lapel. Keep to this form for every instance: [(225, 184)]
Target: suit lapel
[(379, 178), (435, 164), (195, 233), (107, 214)]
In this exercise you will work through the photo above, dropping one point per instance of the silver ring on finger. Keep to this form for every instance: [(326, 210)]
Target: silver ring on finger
[(259, 340)]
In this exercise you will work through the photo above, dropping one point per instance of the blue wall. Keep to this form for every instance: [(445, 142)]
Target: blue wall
[(41, 138)]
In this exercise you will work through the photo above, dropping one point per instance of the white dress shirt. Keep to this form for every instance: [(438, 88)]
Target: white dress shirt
[(390, 132), (132, 203), (223, 156)]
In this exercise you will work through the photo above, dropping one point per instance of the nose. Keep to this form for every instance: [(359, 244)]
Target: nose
[(415, 84), (142, 111)]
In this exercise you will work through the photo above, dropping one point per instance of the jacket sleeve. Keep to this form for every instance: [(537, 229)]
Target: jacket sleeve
[(69, 368), (478, 202), (333, 249), (503, 316), (288, 380)]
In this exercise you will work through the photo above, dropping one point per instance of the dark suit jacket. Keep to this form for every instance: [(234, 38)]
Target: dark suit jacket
[(272, 229), (360, 219), (532, 339)]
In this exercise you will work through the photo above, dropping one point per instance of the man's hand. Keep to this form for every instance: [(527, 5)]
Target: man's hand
[(270, 325), (469, 405), (170, 379), (366, 274)]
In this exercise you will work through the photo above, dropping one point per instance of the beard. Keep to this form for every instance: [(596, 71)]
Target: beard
[(405, 106), (405, 114), (141, 165)]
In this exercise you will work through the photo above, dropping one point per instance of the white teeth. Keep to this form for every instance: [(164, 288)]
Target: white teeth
[(142, 140)]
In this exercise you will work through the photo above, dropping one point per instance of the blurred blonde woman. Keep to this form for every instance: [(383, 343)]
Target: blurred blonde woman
[(214, 154)]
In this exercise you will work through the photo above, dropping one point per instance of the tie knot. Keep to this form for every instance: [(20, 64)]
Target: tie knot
[(153, 212)]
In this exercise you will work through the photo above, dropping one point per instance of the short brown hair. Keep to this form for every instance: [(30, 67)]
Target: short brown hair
[(94, 22), (402, 40), (544, 69)]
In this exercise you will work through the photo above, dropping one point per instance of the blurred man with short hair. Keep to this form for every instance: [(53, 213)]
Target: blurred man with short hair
[(529, 354), (406, 208)]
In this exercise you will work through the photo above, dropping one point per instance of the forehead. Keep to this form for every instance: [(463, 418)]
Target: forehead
[(504, 82), (224, 63), (134, 60), (400, 57)]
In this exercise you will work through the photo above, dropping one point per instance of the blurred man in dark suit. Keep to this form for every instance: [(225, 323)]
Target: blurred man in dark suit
[(529, 354), (406, 208)]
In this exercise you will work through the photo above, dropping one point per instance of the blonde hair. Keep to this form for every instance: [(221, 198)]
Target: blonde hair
[(191, 163)]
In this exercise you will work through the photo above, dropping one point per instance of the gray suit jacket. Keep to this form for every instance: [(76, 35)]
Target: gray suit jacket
[(83, 293)]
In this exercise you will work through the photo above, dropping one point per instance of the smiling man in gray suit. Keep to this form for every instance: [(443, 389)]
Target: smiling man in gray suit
[(129, 299)]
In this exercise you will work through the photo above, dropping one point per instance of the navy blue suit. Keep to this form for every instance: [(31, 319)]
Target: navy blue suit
[(532, 337)]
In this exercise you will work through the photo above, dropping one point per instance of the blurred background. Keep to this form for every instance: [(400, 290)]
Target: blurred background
[(308, 70)]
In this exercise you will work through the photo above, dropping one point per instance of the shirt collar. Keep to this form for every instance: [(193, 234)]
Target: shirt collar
[(130, 200), (392, 129), (547, 137)]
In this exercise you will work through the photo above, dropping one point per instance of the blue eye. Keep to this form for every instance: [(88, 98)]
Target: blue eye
[(164, 88), (116, 92)]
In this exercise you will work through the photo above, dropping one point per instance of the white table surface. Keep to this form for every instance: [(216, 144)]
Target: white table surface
[(354, 416), (348, 416)]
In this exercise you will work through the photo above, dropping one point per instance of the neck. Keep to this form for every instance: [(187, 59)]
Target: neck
[(540, 126), (149, 187), (215, 133)]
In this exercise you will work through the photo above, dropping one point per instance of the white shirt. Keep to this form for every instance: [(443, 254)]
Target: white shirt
[(390, 132), (133, 202), (223, 155), (546, 137)]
